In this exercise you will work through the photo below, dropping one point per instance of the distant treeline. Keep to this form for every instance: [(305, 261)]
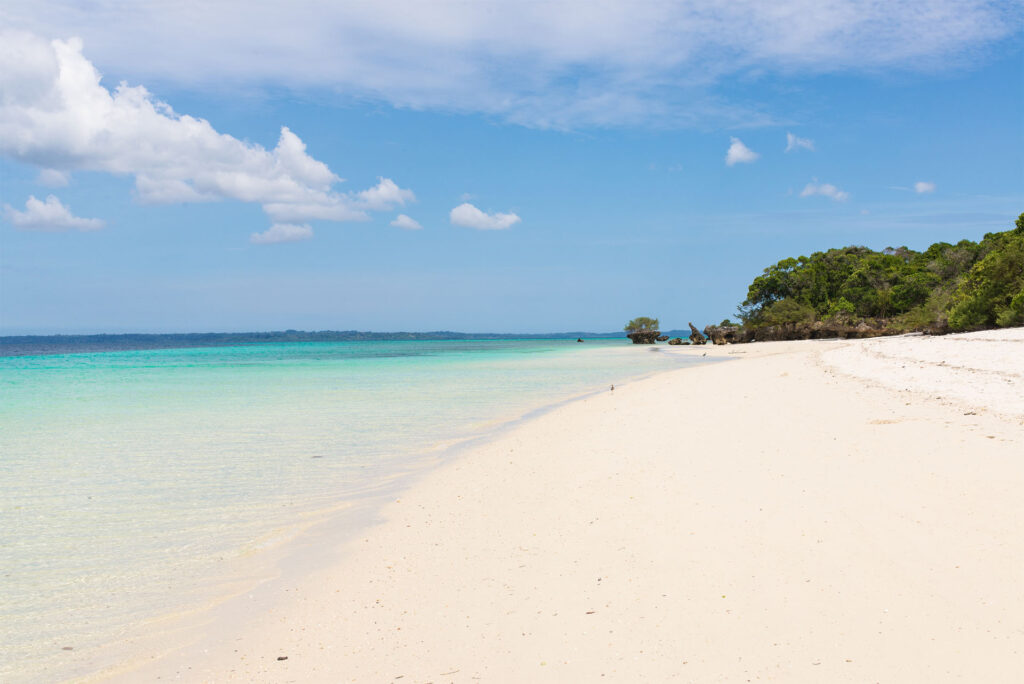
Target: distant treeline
[(966, 286), (69, 344)]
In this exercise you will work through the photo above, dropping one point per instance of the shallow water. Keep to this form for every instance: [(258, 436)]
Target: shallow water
[(127, 477)]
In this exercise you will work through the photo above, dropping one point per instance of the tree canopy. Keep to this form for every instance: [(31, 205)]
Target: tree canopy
[(965, 286), (641, 324)]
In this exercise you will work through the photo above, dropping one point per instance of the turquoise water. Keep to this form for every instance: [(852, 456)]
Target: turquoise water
[(127, 477)]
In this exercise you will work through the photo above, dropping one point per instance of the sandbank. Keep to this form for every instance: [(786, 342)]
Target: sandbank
[(826, 511)]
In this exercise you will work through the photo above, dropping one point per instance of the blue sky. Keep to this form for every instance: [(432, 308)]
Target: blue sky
[(560, 166)]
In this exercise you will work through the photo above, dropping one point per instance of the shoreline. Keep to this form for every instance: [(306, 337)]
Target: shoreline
[(262, 560), (509, 560)]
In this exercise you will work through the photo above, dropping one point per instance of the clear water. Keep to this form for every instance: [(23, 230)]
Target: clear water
[(125, 477)]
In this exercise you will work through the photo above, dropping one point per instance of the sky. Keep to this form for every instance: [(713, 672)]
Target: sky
[(491, 166)]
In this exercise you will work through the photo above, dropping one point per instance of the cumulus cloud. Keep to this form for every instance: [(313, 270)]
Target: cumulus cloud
[(282, 232), (794, 143), (739, 153), (406, 222), (924, 187), (538, 63), (825, 190), (50, 216), (55, 113), (384, 196), (468, 216)]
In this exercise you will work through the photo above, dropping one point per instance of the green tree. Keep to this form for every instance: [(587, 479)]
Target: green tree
[(968, 285), (641, 324), (787, 311), (992, 293)]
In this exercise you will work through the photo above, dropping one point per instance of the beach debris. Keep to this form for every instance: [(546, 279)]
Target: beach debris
[(67, 648), (282, 657)]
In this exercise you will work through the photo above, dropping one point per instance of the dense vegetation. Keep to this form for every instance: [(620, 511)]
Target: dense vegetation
[(966, 286)]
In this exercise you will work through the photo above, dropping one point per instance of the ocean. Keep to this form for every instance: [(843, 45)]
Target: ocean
[(134, 482)]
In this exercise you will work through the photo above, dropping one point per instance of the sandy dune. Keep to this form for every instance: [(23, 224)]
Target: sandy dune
[(787, 516)]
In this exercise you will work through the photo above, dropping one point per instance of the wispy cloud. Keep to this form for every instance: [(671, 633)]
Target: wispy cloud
[(541, 64), (468, 216), (794, 143), (924, 187), (49, 216), (738, 153), (406, 222), (56, 114), (824, 190), (52, 178), (282, 232)]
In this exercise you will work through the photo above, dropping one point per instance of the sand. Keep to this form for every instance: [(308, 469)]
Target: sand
[(806, 512)]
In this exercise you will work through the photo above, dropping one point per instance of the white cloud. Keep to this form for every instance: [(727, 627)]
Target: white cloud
[(825, 190), (406, 222), (384, 196), (538, 63), (739, 153), (282, 232), (55, 113), (794, 143), (49, 216), (924, 187), (468, 216), (52, 178)]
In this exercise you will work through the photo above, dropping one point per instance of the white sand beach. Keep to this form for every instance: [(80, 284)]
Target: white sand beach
[(824, 511)]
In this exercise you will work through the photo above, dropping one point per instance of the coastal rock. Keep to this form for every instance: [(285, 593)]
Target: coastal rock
[(726, 334), (695, 336), (662, 338), (843, 328), (644, 336), (821, 330), (676, 340)]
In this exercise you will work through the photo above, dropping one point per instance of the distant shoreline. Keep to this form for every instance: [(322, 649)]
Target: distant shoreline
[(32, 345)]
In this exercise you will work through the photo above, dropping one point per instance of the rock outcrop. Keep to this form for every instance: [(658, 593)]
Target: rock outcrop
[(644, 336), (725, 334), (676, 340), (816, 330), (695, 336), (662, 338)]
